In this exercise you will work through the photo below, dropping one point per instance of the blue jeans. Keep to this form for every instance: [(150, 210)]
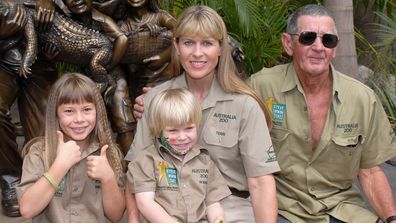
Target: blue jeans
[(282, 219)]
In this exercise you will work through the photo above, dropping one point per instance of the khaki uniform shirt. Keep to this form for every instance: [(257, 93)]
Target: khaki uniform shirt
[(183, 186), (357, 135), (233, 130), (78, 199)]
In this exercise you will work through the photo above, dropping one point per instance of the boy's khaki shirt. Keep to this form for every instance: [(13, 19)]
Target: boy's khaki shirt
[(183, 186)]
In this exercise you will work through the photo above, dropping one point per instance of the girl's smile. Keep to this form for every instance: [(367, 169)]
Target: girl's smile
[(77, 120)]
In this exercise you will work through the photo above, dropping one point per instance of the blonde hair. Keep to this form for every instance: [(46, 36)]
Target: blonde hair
[(202, 21), (173, 107), (77, 88)]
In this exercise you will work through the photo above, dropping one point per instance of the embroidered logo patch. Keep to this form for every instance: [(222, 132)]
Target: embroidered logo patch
[(277, 110), (202, 175), (224, 117), (167, 176), (271, 155), (347, 127), (61, 187)]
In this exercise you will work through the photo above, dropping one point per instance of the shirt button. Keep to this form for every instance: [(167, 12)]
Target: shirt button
[(75, 189), (313, 188)]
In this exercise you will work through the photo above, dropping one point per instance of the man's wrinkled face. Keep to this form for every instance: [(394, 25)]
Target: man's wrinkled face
[(313, 59)]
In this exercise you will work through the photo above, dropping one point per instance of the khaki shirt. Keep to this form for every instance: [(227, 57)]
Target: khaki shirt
[(233, 130), (78, 199), (183, 186), (357, 135)]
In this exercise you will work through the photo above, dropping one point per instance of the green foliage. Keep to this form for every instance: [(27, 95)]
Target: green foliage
[(382, 54), (62, 67)]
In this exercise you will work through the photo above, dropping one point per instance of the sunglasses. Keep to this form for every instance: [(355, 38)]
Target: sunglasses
[(308, 38)]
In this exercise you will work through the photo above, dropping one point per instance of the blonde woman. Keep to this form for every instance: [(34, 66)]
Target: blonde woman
[(234, 127)]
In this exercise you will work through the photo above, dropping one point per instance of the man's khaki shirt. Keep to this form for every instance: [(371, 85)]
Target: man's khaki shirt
[(357, 135)]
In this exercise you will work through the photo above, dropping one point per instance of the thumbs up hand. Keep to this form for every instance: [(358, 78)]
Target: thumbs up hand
[(98, 167), (67, 153)]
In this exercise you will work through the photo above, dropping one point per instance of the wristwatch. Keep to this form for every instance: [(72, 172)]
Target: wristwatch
[(390, 219)]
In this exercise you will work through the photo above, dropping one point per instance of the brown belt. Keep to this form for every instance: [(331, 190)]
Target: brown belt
[(238, 193)]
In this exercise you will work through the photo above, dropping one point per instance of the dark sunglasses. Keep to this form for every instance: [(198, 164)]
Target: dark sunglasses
[(308, 38)]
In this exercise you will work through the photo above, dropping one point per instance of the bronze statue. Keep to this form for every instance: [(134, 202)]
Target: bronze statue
[(91, 39), (27, 83), (147, 27)]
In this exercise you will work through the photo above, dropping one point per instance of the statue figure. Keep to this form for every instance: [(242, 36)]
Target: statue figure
[(29, 85), (147, 27)]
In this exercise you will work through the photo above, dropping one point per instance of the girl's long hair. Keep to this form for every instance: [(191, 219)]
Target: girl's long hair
[(202, 21), (76, 88)]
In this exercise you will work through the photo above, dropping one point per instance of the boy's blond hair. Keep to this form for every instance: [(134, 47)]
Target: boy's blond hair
[(173, 107)]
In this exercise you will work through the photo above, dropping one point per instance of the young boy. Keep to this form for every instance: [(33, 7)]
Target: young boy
[(175, 180)]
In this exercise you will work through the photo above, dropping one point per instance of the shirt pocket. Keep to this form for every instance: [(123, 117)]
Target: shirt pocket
[(278, 137), (342, 158), (347, 146), (221, 134)]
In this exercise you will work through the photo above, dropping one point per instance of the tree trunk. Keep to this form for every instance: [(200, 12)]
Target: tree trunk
[(346, 59)]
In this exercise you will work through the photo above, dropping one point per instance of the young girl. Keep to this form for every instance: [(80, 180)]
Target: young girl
[(75, 171), (175, 180)]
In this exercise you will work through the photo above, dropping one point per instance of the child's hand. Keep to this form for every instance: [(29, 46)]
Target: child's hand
[(98, 167), (219, 220), (67, 154)]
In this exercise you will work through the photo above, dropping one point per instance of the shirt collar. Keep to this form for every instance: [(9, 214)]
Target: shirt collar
[(188, 156), (92, 149), (216, 92), (291, 81)]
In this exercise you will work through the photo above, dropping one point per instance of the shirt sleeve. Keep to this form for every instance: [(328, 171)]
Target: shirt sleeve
[(217, 188), (381, 141), (141, 175), (255, 143), (32, 169)]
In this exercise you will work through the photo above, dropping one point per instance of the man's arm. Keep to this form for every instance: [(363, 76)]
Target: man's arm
[(263, 194), (378, 192)]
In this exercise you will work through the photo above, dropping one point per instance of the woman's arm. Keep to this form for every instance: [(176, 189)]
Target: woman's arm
[(263, 194), (150, 209)]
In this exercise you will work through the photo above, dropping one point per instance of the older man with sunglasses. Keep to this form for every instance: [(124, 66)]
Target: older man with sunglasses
[(328, 129)]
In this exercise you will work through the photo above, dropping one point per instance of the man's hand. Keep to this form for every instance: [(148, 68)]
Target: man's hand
[(138, 107)]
